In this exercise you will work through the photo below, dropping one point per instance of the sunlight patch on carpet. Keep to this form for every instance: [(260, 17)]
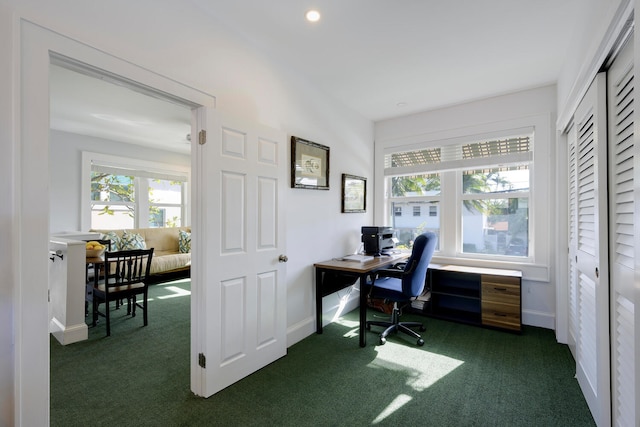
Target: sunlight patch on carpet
[(353, 325), (397, 403), (421, 368), (175, 292)]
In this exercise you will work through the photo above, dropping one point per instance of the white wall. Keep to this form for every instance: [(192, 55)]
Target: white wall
[(65, 168), (174, 41), (585, 51), (531, 108), (8, 219)]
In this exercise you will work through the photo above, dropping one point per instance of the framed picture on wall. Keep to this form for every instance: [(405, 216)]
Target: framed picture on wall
[(309, 164), (354, 193)]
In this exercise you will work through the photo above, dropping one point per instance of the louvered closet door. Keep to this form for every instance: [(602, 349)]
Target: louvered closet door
[(572, 148), (621, 105), (590, 263)]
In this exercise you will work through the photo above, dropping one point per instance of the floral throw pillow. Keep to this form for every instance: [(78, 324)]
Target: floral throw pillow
[(184, 241), (115, 240), (131, 241)]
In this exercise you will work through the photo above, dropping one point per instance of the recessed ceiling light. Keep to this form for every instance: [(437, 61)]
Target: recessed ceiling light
[(401, 104), (312, 15)]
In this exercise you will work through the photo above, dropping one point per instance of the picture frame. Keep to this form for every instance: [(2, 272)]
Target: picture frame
[(309, 164), (354, 194)]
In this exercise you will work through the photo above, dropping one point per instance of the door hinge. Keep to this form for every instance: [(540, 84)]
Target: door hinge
[(202, 137), (202, 361)]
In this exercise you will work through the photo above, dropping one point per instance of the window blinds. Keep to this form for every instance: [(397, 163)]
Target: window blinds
[(113, 170), (511, 150)]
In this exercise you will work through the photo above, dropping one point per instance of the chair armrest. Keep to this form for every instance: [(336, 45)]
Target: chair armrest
[(398, 271), (390, 272)]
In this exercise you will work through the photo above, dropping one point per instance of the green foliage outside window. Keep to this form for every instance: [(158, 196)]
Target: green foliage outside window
[(113, 188), (402, 186)]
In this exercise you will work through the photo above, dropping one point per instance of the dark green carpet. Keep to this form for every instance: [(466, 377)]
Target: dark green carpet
[(463, 376)]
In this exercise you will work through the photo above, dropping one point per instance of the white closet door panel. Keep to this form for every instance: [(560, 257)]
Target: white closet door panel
[(591, 255), (621, 108), (572, 235)]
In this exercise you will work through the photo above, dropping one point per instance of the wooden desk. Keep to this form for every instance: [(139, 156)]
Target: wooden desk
[(333, 275)]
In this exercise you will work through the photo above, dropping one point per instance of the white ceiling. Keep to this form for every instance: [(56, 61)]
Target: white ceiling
[(372, 55), (90, 106)]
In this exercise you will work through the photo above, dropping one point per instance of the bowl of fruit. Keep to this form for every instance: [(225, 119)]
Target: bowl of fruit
[(95, 249)]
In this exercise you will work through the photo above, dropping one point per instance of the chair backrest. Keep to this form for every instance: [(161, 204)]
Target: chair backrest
[(127, 267), (415, 275)]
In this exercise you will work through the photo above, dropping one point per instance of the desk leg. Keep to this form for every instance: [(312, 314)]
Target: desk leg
[(363, 311), (318, 301)]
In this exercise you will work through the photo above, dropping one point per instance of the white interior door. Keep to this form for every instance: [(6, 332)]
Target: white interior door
[(590, 264), (240, 292), (621, 107)]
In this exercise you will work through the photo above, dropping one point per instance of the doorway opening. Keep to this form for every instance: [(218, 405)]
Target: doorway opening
[(132, 128)]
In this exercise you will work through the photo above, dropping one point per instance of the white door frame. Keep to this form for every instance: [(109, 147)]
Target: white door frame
[(31, 380)]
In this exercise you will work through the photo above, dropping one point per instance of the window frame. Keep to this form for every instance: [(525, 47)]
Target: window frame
[(536, 265), (162, 170)]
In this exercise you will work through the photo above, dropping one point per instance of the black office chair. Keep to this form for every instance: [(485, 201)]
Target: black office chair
[(403, 285)]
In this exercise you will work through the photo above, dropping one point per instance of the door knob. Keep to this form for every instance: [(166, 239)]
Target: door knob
[(283, 258)]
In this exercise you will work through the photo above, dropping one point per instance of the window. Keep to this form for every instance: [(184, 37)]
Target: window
[(397, 210), (488, 194), (112, 201), (165, 203), (125, 193), (417, 191), (495, 211)]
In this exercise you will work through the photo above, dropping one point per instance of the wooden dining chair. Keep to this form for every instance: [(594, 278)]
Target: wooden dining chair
[(125, 275)]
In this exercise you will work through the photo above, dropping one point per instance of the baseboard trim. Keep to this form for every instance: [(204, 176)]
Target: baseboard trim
[(331, 311), (539, 319), (68, 334)]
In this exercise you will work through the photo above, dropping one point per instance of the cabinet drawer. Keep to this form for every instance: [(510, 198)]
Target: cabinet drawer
[(501, 315), (501, 280), (501, 292)]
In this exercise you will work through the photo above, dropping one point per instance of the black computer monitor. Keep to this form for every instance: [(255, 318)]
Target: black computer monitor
[(376, 240)]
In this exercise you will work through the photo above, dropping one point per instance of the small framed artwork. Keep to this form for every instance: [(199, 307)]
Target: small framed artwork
[(354, 193), (309, 164)]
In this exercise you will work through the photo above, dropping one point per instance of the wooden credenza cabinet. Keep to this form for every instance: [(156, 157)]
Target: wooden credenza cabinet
[(480, 296)]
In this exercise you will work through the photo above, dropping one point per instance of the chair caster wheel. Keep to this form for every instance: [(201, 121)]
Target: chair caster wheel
[(420, 342), (382, 341), (422, 329), (368, 327)]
